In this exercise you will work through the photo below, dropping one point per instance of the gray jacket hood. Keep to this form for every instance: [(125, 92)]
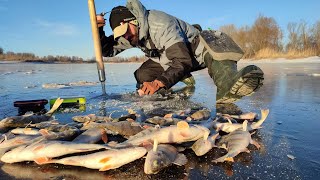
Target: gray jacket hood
[(141, 13)]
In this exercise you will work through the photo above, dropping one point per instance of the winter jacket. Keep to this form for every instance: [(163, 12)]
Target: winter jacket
[(166, 40)]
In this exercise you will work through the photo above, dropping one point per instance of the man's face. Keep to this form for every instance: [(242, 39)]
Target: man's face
[(132, 34)]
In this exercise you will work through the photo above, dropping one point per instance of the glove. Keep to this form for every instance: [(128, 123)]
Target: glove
[(150, 87), (101, 21)]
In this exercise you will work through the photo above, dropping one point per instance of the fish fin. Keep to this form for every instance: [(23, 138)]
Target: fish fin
[(147, 144), (244, 125), (42, 160), (38, 148), (86, 123), (104, 136), (105, 168), (155, 145), (168, 115), (183, 127), (252, 133), (146, 126), (105, 160), (206, 135), (55, 106), (213, 139), (44, 132), (230, 159), (229, 120), (18, 141), (255, 143), (247, 150), (180, 160), (264, 115)]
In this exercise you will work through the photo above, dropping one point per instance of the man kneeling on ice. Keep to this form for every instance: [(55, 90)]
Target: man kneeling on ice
[(175, 49)]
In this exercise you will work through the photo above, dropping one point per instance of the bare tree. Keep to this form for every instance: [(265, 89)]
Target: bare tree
[(293, 42), (315, 37), (266, 33)]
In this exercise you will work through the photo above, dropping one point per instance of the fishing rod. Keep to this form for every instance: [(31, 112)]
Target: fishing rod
[(97, 45)]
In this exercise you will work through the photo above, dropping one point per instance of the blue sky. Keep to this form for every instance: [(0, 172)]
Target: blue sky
[(62, 27)]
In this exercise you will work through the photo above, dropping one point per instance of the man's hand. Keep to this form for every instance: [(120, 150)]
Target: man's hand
[(150, 87), (101, 21)]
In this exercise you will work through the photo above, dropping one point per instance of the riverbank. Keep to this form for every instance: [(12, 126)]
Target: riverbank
[(314, 59)]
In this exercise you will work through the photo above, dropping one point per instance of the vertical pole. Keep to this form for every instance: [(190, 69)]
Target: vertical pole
[(97, 44)]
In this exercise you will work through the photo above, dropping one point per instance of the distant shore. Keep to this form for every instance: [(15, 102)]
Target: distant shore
[(314, 59)]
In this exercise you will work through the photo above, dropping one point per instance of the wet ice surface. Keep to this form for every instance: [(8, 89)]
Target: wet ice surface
[(291, 91)]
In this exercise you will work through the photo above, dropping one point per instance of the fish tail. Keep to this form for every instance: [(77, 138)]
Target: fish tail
[(264, 115), (55, 106)]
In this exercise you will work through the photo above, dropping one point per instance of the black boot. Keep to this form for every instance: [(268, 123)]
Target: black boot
[(231, 84)]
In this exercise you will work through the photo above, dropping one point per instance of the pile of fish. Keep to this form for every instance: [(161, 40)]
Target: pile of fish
[(103, 143)]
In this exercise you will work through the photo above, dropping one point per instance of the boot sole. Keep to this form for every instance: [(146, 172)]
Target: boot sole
[(245, 86)]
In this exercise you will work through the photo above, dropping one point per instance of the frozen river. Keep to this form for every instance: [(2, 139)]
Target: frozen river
[(291, 91)]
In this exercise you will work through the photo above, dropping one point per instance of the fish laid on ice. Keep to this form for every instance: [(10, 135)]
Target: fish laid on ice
[(26, 131), (200, 115), (63, 85), (162, 156), (230, 127), (91, 117), (182, 132), (236, 142), (124, 128), (92, 136), (24, 120), (6, 136), (23, 171), (104, 160), (45, 150), (204, 145), (245, 116), (163, 121), (67, 134), (19, 140)]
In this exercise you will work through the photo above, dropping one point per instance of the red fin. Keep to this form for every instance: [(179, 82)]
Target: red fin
[(44, 132), (181, 125), (146, 126), (104, 136), (38, 148), (130, 120), (229, 159), (104, 160), (18, 141), (42, 160), (105, 168)]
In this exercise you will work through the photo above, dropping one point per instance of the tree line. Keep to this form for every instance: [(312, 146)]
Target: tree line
[(31, 57), (264, 39)]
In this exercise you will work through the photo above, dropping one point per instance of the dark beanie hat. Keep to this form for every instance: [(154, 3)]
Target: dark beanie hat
[(120, 14)]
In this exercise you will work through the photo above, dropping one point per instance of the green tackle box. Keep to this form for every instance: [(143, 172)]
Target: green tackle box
[(71, 102)]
